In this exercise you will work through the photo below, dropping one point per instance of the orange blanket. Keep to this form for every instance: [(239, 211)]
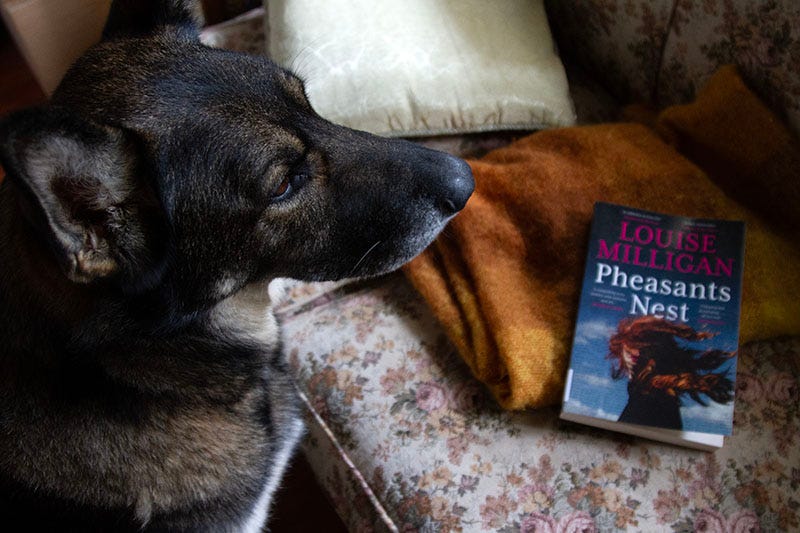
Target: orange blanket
[(504, 278)]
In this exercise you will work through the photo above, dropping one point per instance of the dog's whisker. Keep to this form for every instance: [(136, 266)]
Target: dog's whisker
[(363, 257), (302, 61)]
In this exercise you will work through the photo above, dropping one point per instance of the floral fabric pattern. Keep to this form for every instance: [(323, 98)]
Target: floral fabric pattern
[(619, 42), (662, 52), (761, 37), (405, 439)]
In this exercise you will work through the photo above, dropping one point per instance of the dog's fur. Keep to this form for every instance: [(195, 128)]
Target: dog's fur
[(144, 211)]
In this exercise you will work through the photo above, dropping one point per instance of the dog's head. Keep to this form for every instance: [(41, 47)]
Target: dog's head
[(162, 163)]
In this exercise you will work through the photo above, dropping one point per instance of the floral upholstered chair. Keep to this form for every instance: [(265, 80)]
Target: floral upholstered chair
[(403, 438)]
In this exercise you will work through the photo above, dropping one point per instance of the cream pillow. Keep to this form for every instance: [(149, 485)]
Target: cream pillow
[(424, 67)]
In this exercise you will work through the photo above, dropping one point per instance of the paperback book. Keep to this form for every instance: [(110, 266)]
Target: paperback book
[(656, 340)]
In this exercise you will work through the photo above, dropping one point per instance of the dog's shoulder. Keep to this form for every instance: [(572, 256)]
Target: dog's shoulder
[(152, 426)]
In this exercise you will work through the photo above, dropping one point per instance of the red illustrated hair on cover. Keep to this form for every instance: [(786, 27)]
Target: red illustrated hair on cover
[(660, 370)]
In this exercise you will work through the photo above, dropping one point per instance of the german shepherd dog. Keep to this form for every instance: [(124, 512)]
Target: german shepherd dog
[(145, 209)]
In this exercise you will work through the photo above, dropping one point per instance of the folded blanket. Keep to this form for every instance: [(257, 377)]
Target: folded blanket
[(504, 278)]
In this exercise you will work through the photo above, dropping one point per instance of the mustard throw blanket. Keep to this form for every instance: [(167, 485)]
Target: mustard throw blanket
[(504, 278)]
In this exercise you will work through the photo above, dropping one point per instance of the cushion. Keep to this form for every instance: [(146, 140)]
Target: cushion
[(424, 67), (404, 439)]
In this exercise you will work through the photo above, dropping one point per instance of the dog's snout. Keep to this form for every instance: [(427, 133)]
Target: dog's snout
[(457, 186)]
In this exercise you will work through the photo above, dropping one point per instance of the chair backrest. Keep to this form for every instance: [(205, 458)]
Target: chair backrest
[(661, 52)]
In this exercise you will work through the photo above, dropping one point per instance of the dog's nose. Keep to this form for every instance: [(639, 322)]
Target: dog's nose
[(458, 186)]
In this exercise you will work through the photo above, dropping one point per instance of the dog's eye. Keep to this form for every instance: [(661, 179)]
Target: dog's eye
[(282, 189), (289, 186)]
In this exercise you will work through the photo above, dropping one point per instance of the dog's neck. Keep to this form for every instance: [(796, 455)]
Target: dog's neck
[(248, 313)]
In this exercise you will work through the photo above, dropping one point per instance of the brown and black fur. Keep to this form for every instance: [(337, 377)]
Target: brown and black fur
[(145, 209)]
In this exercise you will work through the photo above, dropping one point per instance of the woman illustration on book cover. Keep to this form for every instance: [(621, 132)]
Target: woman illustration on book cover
[(659, 370)]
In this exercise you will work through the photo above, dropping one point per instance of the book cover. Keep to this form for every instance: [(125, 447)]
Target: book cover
[(656, 338)]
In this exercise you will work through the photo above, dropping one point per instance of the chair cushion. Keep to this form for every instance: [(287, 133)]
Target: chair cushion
[(402, 437), (424, 67)]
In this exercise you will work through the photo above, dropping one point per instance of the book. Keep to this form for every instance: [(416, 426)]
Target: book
[(656, 338)]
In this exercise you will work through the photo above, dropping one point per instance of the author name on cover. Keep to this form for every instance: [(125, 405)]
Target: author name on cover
[(687, 250)]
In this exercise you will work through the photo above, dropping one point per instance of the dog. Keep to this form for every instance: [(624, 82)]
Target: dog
[(144, 210)]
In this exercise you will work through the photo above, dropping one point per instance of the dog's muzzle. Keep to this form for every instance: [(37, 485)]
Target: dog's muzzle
[(449, 182), (456, 187)]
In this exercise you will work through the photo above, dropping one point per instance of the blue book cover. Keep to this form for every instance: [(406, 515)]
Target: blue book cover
[(656, 339)]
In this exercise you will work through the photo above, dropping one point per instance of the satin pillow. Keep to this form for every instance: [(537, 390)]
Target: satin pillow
[(424, 67)]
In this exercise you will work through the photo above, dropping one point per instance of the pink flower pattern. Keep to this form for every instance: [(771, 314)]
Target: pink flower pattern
[(661, 52), (413, 442)]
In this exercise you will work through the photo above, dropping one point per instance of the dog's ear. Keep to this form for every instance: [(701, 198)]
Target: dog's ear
[(141, 17), (77, 184)]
